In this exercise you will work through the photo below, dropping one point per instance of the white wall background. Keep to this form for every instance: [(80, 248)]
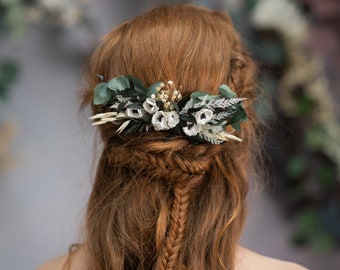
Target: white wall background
[(43, 198)]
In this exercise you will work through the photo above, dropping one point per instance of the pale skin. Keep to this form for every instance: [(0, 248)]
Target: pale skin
[(245, 260)]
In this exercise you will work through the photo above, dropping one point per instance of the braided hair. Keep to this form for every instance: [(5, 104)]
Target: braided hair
[(161, 202)]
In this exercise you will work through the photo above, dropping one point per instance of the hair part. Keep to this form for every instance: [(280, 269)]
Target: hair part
[(159, 202)]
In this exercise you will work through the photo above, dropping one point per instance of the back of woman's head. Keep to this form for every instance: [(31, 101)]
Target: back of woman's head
[(161, 202)]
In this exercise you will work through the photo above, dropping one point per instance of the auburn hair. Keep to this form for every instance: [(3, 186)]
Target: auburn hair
[(160, 202)]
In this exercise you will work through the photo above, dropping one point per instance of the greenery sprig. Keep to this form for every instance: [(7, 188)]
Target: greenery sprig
[(135, 108)]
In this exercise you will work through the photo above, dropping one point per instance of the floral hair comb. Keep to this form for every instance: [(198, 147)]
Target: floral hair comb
[(135, 108)]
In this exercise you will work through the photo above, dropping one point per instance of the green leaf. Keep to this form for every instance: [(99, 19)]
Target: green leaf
[(129, 93), (138, 85), (239, 117), (101, 94), (236, 126), (226, 92), (119, 83), (151, 90), (176, 108), (185, 118), (177, 129), (198, 94), (135, 106)]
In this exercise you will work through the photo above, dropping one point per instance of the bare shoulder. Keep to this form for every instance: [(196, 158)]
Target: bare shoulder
[(73, 261), (249, 260)]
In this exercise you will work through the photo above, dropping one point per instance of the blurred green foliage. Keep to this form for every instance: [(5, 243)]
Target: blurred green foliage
[(307, 180), (13, 16), (9, 71)]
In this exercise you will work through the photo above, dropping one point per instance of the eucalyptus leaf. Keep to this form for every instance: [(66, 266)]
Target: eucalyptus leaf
[(198, 94), (101, 94), (226, 92), (237, 119), (151, 90), (119, 83)]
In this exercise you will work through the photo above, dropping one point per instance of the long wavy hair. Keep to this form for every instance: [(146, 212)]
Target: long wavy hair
[(161, 203)]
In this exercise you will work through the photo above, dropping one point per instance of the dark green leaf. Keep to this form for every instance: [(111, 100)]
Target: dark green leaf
[(147, 118), (135, 106), (185, 118), (177, 130), (129, 93), (121, 106), (236, 126), (175, 106), (136, 82), (137, 85), (237, 119)]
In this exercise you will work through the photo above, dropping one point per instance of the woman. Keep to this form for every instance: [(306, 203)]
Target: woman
[(172, 180)]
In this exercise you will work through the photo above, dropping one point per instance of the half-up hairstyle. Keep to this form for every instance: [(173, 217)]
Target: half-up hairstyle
[(161, 202)]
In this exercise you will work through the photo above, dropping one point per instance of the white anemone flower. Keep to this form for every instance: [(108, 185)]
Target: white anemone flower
[(134, 113), (192, 129), (159, 121), (172, 118), (150, 105), (203, 116)]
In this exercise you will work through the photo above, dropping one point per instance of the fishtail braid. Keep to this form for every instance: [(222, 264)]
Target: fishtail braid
[(184, 175)]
